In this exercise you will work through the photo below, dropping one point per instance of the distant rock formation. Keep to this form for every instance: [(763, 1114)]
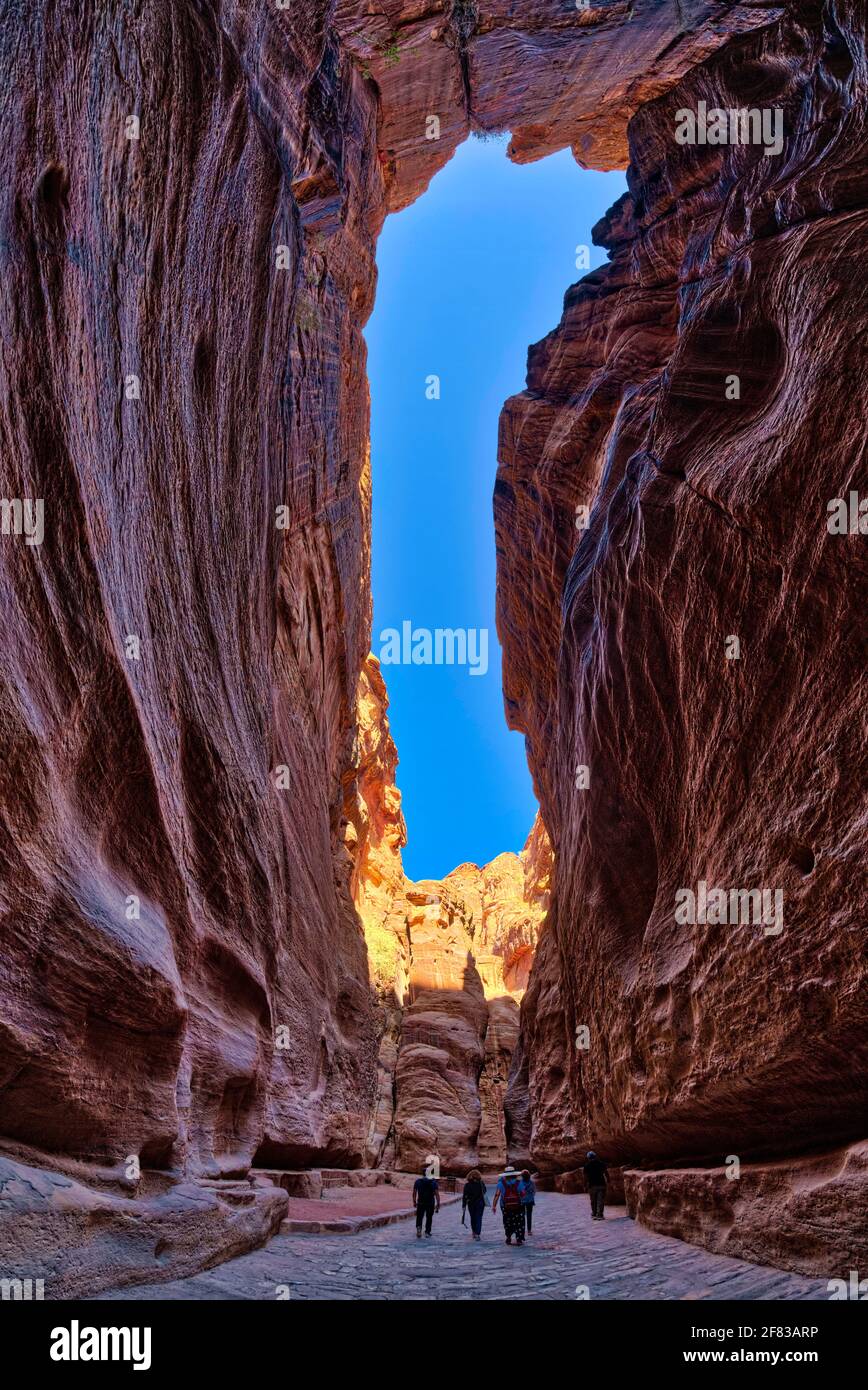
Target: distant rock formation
[(449, 961)]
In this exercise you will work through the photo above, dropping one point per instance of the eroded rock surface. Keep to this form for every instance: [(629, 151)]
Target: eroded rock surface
[(550, 73), (182, 359), (806, 1214), (662, 759), (75, 1239)]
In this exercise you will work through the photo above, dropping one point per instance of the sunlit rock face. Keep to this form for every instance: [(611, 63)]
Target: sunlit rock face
[(666, 753), (460, 1019), (449, 962), (552, 74), (375, 835)]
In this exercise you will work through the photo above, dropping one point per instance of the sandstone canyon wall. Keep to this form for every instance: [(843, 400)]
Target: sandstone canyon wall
[(660, 762), (184, 979), (190, 205)]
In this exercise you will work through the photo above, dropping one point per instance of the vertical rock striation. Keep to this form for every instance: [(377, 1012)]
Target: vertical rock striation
[(708, 508), (187, 220)]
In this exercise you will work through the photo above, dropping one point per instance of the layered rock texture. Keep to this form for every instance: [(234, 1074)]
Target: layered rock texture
[(551, 73), (687, 655), (808, 1214), (199, 968)]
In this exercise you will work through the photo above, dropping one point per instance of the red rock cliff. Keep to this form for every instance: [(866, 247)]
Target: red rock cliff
[(189, 212), (663, 754)]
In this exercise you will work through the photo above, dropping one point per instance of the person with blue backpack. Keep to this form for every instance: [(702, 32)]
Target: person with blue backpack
[(528, 1200)]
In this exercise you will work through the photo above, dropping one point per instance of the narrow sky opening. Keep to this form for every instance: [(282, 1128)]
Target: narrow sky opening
[(469, 275)]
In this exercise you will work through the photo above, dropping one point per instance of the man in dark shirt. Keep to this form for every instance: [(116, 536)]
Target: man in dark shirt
[(595, 1181), (426, 1200)]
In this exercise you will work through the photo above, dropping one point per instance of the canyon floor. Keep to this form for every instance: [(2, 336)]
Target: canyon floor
[(614, 1259)]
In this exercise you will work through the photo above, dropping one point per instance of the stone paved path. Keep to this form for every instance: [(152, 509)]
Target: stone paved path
[(616, 1259)]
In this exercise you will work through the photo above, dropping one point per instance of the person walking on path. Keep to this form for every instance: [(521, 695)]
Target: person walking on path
[(473, 1200), (594, 1170), (528, 1199), (508, 1192), (426, 1200)]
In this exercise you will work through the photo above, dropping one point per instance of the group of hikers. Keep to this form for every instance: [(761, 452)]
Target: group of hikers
[(515, 1193)]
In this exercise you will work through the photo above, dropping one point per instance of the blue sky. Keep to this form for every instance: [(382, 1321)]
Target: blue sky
[(469, 276)]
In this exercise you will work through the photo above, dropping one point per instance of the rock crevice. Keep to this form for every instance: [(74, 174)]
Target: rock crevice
[(450, 960)]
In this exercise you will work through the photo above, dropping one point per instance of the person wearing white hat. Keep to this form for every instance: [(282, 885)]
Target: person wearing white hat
[(509, 1192), (426, 1200)]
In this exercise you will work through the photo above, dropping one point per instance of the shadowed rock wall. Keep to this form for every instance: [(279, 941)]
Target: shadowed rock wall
[(182, 357), (662, 757)]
